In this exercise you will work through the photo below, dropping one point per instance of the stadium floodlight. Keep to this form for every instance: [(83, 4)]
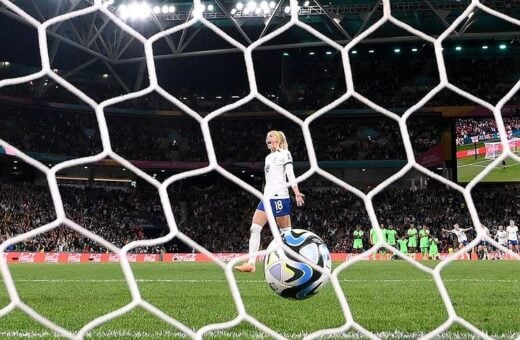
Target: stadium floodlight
[(211, 7), (246, 10), (156, 9), (139, 10), (285, 54), (458, 48), (123, 12), (328, 52), (397, 50), (105, 75), (15, 162), (312, 53), (287, 9), (272, 5), (371, 51), (239, 6), (258, 10), (264, 5), (502, 46), (251, 5), (485, 47), (354, 52), (233, 11), (165, 9), (306, 3), (414, 49), (171, 9), (85, 167)]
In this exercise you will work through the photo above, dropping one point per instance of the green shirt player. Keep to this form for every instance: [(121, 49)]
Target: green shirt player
[(383, 251), (434, 250), (373, 236), (391, 235), (403, 245), (412, 238), (424, 241), (358, 240)]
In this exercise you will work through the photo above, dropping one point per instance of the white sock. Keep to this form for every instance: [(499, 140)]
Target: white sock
[(254, 242), (283, 230)]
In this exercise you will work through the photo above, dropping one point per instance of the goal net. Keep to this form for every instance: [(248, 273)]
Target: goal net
[(493, 151)]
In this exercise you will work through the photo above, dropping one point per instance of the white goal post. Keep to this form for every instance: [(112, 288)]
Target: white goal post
[(494, 149)]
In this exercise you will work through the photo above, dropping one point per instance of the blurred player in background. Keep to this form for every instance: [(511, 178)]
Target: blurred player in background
[(462, 239), (501, 237), (391, 236), (357, 247), (278, 169), (434, 247), (424, 241), (403, 245), (512, 236), (482, 250), (412, 239)]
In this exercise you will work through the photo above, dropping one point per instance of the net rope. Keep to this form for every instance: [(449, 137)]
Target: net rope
[(137, 301)]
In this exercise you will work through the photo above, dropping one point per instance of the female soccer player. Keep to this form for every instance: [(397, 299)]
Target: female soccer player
[(278, 168), (460, 233)]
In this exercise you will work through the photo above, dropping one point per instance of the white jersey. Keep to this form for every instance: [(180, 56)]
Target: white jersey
[(461, 235), (276, 175), (502, 237), (512, 233)]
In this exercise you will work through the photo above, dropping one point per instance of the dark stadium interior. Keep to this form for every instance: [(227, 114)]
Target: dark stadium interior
[(391, 67)]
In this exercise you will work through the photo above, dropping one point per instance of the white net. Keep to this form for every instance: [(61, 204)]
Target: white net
[(493, 150), (137, 300)]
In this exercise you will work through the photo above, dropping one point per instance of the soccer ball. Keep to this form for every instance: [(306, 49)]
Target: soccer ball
[(291, 278)]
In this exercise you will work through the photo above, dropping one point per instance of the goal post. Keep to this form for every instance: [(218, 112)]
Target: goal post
[(495, 149)]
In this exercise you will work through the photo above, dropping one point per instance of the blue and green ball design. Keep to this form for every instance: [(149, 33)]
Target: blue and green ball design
[(292, 278)]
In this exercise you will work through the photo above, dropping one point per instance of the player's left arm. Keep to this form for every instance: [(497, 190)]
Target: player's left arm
[(289, 171)]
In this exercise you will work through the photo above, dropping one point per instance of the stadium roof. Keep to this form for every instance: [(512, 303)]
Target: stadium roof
[(78, 43)]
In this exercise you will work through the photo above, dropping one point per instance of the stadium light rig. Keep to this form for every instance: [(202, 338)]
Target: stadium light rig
[(143, 10)]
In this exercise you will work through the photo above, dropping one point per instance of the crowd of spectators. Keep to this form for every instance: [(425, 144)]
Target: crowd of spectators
[(218, 216), (470, 127), (155, 138), (119, 217)]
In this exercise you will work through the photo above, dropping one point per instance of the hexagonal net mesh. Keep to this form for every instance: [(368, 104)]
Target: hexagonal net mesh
[(137, 301)]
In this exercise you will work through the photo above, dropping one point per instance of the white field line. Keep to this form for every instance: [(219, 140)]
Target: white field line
[(483, 166), (249, 281), (167, 334)]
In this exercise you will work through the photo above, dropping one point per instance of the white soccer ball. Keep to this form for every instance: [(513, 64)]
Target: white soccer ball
[(294, 279)]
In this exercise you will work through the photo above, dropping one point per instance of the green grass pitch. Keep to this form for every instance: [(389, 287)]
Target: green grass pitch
[(469, 167), (392, 299)]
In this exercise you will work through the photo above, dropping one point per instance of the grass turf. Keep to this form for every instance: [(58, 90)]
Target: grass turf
[(469, 167), (392, 299)]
